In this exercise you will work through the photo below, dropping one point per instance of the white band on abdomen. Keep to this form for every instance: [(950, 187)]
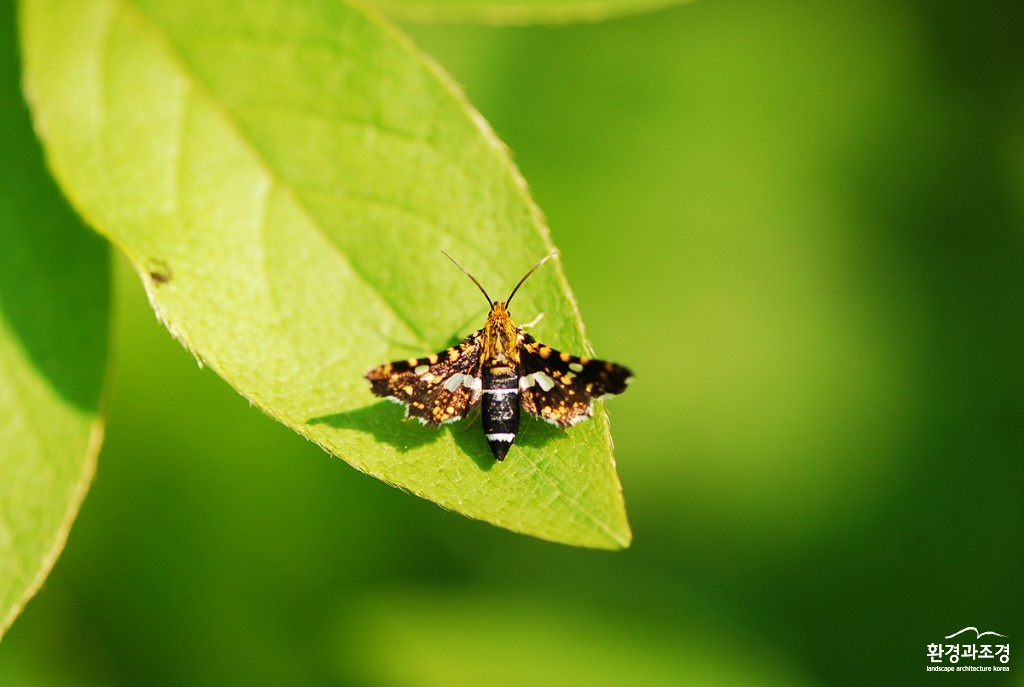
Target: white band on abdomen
[(501, 436), (501, 391)]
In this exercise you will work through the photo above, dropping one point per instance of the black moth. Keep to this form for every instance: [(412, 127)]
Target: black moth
[(504, 369)]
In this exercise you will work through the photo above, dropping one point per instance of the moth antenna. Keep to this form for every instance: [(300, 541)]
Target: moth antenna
[(532, 270), (490, 303)]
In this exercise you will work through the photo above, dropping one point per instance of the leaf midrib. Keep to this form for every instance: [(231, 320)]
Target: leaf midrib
[(200, 88)]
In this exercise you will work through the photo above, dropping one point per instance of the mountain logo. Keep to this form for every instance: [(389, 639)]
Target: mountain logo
[(979, 654), (978, 635)]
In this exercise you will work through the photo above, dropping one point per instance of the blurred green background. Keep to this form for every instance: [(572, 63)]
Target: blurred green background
[(803, 227)]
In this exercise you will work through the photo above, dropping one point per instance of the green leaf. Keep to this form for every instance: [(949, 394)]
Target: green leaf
[(54, 293), (519, 11), (283, 177)]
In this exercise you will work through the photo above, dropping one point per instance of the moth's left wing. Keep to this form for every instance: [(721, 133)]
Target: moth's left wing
[(440, 388), (561, 388)]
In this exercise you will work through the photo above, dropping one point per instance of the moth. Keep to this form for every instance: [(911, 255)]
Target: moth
[(505, 371)]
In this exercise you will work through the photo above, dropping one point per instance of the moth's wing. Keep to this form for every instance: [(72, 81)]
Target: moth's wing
[(439, 388), (561, 388)]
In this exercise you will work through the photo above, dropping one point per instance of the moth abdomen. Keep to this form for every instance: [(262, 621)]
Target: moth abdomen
[(499, 408)]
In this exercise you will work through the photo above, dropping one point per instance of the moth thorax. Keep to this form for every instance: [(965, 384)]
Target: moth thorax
[(501, 337)]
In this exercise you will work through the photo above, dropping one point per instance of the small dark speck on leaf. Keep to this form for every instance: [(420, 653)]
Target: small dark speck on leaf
[(159, 271)]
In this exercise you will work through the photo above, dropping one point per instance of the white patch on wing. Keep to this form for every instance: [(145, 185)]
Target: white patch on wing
[(543, 380), (458, 379), (453, 383)]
